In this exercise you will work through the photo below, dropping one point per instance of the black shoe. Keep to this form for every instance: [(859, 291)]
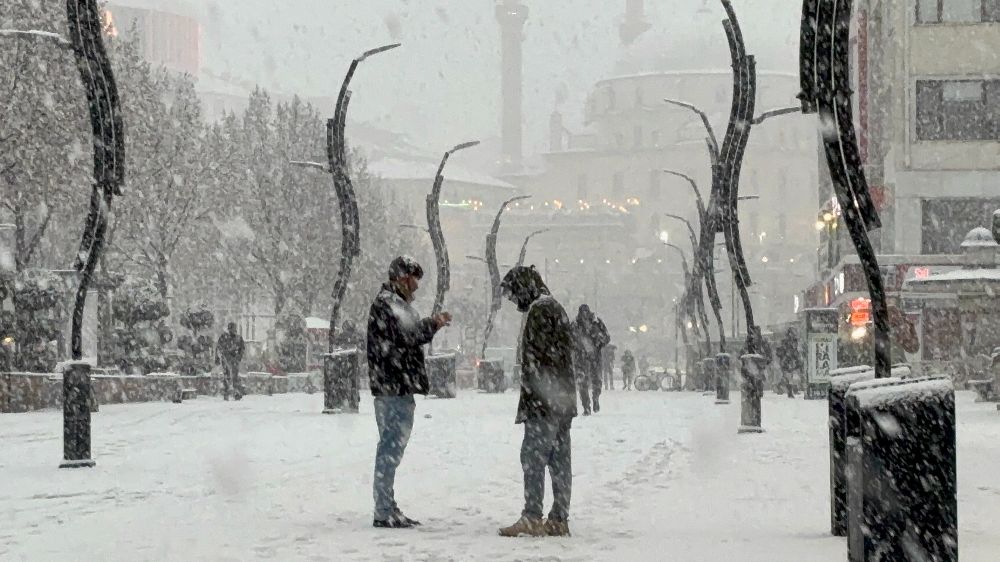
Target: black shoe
[(391, 523), (586, 412), (398, 516)]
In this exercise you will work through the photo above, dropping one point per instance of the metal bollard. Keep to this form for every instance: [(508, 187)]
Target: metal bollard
[(902, 484), (752, 390), (340, 382), (723, 366), (76, 416)]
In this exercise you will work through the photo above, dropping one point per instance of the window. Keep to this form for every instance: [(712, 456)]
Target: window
[(964, 110), (782, 226), (618, 186), (612, 103), (958, 11), (637, 136), (962, 91), (946, 221), (638, 96), (582, 190), (619, 140)]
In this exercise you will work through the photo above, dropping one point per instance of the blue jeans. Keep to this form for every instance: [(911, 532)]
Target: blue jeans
[(547, 444), (394, 416)]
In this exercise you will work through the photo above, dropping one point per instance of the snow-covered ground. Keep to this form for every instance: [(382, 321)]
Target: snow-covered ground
[(657, 476)]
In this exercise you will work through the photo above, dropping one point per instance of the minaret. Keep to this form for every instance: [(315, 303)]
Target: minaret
[(635, 23), (511, 15)]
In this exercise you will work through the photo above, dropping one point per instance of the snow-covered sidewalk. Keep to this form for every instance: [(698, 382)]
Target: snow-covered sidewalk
[(657, 476)]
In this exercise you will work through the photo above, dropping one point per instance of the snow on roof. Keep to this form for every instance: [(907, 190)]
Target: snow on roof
[(921, 389), (313, 323), (399, 169), (978, 274), (979, 237)]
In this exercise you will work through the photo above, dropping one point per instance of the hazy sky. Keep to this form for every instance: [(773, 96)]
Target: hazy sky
[(443, 85)]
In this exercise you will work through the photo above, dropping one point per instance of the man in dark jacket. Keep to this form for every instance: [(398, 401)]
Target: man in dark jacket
[(591, 336), (396, 334), (229, 353), (547, 404)]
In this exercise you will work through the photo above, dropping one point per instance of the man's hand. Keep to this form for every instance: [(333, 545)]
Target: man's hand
[(441, 320)]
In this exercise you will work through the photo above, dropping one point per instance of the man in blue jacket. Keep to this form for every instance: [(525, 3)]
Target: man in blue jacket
[(396, 334)]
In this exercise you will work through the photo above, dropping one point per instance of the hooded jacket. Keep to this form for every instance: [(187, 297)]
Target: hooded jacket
[(396, 334), (548, 387), (591, 336)]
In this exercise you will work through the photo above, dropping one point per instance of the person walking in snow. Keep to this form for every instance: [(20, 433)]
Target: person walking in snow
[(628, 369), (608, 366), (547, 404), (591, 336), (396, 372), (229, 353)]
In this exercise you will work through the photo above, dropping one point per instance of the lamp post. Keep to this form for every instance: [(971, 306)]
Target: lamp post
[(340, 369), (494, 269)]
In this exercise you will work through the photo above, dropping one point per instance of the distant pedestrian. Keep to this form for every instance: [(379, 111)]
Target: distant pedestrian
[(643, 366), (789, 360), (591, 336), (349, 336), (628, 369), (547, 404), (229, 353), (608, 366), (396, 334)]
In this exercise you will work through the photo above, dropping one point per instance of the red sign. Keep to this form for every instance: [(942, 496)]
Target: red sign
[(921, 272), (861, 312)]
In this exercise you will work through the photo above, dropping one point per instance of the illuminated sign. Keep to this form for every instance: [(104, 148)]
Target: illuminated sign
[(860, 311)]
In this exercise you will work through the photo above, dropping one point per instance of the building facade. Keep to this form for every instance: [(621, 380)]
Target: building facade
[(928, 116)]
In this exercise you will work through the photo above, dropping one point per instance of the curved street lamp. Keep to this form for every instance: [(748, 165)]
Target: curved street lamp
[(437, 234), (491, 263), (524, 247)]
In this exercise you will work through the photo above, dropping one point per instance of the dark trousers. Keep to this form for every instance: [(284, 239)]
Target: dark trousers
[(231, 380), (589, 383), (547, 444)]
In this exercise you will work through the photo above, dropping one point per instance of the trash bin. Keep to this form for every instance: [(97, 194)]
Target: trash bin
[(490, 376), (442, 374), (840, 381), (902, 489)]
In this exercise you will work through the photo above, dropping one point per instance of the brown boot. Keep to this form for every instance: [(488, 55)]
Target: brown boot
[(525, 527), (555, 528)]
